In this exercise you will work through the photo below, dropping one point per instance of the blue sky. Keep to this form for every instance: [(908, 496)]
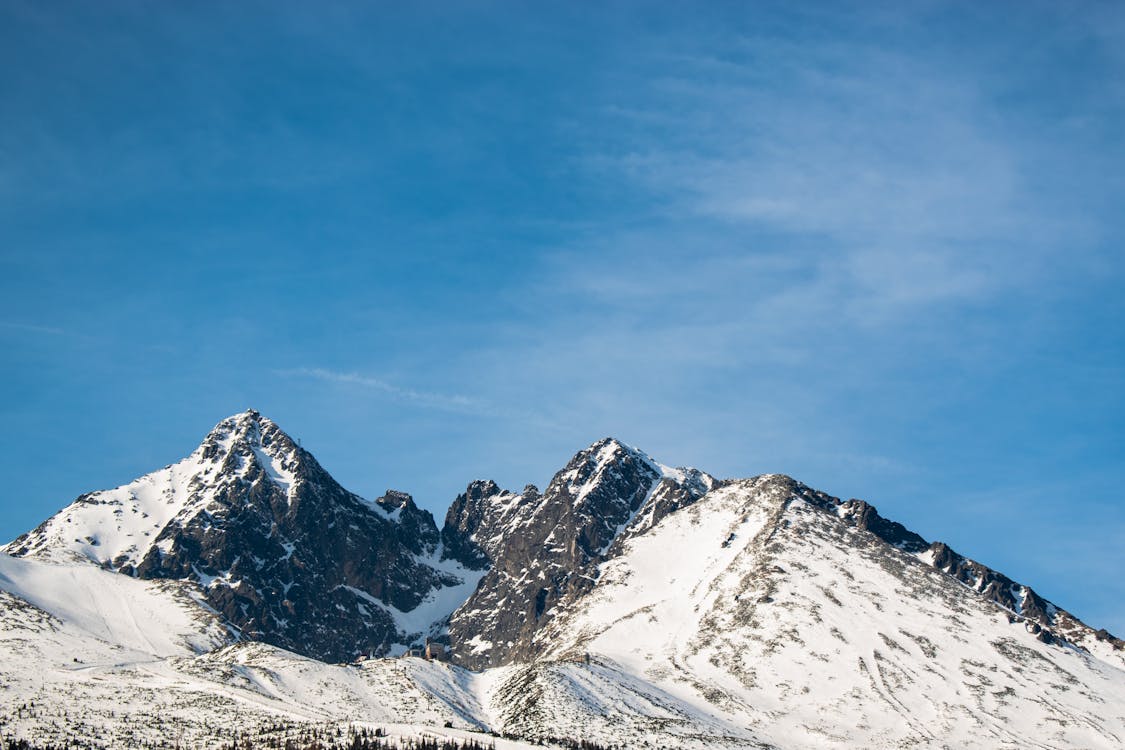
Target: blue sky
[(877, 249)]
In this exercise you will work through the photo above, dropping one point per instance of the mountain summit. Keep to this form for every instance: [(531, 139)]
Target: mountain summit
[(272, 540), (540, 548)]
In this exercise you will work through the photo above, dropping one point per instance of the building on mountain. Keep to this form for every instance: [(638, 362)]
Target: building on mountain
[(431, 651)]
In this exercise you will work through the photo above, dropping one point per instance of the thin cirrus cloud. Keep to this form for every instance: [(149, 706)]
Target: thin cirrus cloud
[(32, 328), (917, 188), (849, 230), (443, 401)]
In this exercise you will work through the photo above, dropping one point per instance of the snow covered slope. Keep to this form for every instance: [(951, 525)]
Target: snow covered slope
[(106, 612), (787, 621), (62, 679), (92, 655)]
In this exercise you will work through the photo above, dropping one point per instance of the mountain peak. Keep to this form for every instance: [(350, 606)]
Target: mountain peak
[(604, 458), (544, 548), (393, 500), (607, 440), (268, 536), (251, 427), (610, 448), (479, 489), (244, 422), (120, 527)]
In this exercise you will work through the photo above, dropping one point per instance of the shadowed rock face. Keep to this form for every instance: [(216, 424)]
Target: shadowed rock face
[(472, 509), (543, 548), (282, 551)]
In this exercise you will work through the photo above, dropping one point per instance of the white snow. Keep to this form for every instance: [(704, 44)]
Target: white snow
[(141, 617), (276, 470)]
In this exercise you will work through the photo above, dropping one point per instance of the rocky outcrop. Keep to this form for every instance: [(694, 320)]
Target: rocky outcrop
[(283, 552), (543, 548)]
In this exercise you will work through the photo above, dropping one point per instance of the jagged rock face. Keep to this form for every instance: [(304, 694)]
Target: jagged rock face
[(1048, 622), (282, 551), (543, 548), (479, 505), (864, 516)]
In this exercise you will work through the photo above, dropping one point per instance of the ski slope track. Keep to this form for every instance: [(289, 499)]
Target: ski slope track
[(629, 603)]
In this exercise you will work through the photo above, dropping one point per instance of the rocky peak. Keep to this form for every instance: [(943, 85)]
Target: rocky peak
[(606, 458), (603, 485), (246, 425), (864, 516), (470, 534), (415, 527), (393, 500), (543, 548), (480, 489), (247, 430), (250, 449), (271, 538)]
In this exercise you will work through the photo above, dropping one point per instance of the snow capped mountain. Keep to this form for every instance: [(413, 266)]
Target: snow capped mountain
[(542, 548), (800, 627), (628, 603), (273, 542)]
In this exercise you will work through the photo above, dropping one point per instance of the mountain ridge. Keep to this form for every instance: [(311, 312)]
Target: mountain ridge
[(606, 494), (627, 602)]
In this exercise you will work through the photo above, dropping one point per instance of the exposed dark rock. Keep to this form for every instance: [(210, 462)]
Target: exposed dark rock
[(295, 561), (865, 516), (543, 548), (465, 516)]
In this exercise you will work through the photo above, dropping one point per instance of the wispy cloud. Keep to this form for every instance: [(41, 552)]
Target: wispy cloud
[(826, 220), (445, 401), (818, 245), (33, 328), (910, 184)]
